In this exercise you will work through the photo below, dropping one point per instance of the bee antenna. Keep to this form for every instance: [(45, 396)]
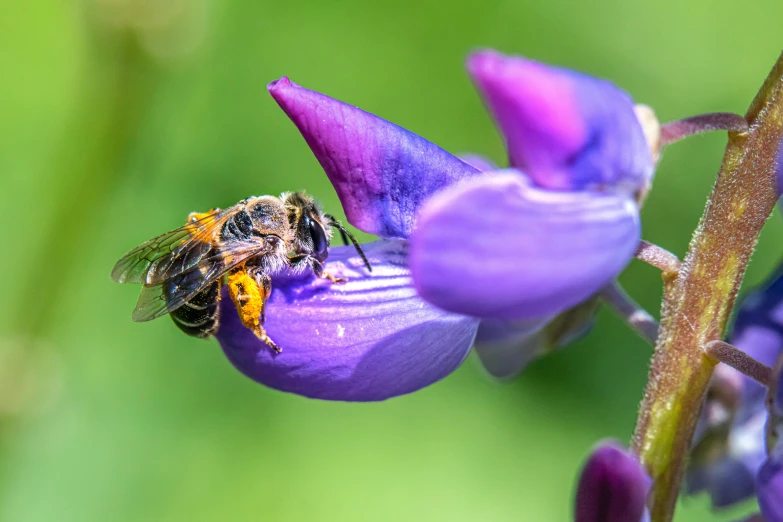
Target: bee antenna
[(346, 236)]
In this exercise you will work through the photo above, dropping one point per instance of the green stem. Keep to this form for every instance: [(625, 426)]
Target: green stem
[(698, 301)]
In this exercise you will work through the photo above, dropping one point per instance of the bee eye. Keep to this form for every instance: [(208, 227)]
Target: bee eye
[(318, 235)]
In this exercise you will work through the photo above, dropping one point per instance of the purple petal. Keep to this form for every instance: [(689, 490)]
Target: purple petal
[(774, 401), (505, 348), (762, 309), (770, 490), (728, 481), (725, 462), (613, 487), (566, 130), (775, 398), (479, 162), (381, 172), (758, 331), (366, 340), (496, 247), (763, 344)]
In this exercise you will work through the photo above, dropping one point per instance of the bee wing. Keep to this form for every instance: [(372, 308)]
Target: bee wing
[(156, 300), (151, 304), (172, 253)]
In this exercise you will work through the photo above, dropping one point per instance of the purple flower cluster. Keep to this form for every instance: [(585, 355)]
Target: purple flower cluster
[(739, 443), (507, 261), (467, 252)]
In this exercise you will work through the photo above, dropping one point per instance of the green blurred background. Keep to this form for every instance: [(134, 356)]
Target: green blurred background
[(118, 117)]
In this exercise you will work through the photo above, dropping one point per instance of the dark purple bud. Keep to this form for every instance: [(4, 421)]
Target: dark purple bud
[(613, 487)]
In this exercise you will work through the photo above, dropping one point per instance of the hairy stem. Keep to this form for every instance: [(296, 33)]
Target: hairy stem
[(740, 361), (697, 303), (658, 257), (675, 131), (636, 316)]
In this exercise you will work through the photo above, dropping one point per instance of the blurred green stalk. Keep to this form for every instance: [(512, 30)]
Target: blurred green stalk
[(89, 163)]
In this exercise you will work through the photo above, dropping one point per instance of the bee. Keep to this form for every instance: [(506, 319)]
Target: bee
[(182, 271)]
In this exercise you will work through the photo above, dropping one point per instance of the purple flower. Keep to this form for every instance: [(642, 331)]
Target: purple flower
[(613, 487), (565, 130), (506, 347), (520, 247), (729, 445), (381, 172), (531, 243), (373, 337), (515, 248), (366, 340), (769, 485)]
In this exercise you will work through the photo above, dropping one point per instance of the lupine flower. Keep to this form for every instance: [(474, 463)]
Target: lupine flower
[(546, 236), (373, 337), (368, 339), (613, 487), (729, 444), (769, 485), (513, 248)]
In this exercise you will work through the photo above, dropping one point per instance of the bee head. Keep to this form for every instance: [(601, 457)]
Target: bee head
[(312, 232)]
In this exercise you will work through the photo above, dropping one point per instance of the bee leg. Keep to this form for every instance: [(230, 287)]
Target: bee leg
[(333, 279), (249, 296), (265, 284), (318, 268), (299, 260)]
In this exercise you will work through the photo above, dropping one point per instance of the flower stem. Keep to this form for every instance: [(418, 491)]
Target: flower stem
[(636, 316), (675, 131), (658, 257), (740, 361), (697, 303)]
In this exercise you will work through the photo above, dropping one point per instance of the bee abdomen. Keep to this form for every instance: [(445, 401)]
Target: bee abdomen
[(198, 317)]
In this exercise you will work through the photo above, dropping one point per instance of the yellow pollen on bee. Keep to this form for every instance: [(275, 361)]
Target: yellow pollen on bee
[(247, 297)]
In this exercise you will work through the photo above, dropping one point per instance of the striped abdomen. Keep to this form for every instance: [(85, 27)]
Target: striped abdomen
[(199, 316)]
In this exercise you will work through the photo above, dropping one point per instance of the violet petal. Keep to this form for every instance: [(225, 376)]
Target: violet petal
[(365, 340), (728, 481), (505, 348), (613, 487), (769, 488), (497, 247), (381, 172), (479, 162), (566, 130)]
